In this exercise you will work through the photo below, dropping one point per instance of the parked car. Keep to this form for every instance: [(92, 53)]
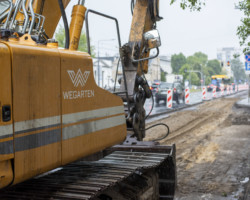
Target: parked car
[(177, 88), (154, 88)]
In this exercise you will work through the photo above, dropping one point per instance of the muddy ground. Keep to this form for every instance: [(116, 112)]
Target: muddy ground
[(213, 150)]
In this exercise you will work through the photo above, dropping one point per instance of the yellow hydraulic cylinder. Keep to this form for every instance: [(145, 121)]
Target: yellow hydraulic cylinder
[(77, 19)]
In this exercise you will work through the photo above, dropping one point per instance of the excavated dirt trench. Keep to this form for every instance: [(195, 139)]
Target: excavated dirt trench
[(213, 150)]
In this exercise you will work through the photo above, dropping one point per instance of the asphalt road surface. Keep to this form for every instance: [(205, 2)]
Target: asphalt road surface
[(195, 97)]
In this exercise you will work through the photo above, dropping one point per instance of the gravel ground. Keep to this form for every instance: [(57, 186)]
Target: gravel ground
[(213, 150)]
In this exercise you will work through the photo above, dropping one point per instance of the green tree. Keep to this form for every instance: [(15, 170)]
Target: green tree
[(197, 61), (191, 4), (210, 71), (243, 31), (194, 63), (195, 80), (238, 70), (60, 37), (184, 71), (163, 76), (224, 72), (177, 61), (83, 44), (207, 80), (214, 67), (201, 57)]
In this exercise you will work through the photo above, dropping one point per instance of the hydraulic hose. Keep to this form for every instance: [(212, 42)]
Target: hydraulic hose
[(158, 124), (65, 22), (132, 6), (26, 16)]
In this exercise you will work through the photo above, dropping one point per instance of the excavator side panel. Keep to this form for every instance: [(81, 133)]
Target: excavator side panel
[(36, 110), (59, 113), (6, 120), (92, 118)]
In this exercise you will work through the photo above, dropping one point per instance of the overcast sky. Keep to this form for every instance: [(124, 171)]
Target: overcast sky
[(181, 31)]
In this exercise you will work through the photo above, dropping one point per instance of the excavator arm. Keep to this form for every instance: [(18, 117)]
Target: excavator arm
[(134, 56)]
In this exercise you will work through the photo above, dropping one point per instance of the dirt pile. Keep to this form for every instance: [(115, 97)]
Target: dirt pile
[(213, 154)]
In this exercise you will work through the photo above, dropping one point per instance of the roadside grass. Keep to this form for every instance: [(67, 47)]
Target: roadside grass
[(195, 90)]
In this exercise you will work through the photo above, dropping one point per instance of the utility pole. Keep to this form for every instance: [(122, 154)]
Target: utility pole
[(158, 69), (249, 89), (247, 68), (190, 80), (98, 69)]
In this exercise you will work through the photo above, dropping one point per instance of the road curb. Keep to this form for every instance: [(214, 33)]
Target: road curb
[(174, 110), (238, 104)]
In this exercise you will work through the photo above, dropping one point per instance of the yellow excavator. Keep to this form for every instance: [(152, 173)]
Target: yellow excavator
[(53, 114)]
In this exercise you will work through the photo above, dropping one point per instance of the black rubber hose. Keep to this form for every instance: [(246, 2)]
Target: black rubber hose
[(160, 124), (65, 22), (132, 6)]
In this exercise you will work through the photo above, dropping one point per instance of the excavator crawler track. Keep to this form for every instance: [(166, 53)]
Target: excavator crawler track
[(129, 172)]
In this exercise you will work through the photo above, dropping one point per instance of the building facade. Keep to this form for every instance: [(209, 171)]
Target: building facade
[(103, 71), (106, 68), (158, 65)]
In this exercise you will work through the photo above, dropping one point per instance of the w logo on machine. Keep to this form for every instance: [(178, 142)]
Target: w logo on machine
[(78, 78)]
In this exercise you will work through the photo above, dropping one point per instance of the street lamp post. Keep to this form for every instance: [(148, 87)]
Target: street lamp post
[(99, 67), (247, 71), (190, 80)]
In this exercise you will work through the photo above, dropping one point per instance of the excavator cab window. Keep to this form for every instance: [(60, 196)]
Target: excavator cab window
[(105, 16)]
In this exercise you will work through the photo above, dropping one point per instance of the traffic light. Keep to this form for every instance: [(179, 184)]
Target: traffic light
[(228, 63)]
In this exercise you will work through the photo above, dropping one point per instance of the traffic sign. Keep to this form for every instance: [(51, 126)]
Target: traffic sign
[(247, 63), (247, 66), (247, 57)]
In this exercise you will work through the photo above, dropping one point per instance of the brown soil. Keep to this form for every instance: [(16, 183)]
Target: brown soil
[(213, 150)]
